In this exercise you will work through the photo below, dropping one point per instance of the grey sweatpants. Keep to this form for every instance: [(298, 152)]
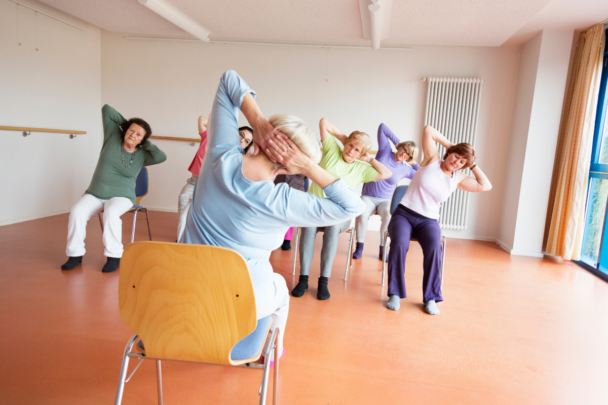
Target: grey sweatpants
[(183, 204), (328, 251), (373, 205)]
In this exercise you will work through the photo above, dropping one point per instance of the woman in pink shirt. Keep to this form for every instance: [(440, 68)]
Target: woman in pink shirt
[(418, 212), (185, 197)]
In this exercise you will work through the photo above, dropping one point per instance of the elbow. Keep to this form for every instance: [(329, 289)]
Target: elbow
[(488, 187)]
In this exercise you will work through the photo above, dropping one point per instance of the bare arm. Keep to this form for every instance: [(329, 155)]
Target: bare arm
[(476, 184), (429, 136), (327, 128), (383, 171), (297, 162), (263, 131), (202, 124)]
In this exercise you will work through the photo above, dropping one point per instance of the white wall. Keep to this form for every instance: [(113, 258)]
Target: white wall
[(540, 93), (51, 80), (170, 83)]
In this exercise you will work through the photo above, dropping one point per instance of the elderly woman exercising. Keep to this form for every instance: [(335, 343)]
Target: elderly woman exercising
[(185, 196), (377, 195), (417, 214), (235, 203), (126, 149), (343, 165)]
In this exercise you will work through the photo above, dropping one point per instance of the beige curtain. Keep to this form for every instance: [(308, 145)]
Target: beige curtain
[(573, 157)]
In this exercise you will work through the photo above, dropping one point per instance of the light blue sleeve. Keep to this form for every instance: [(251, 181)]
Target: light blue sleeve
[(307, 210), (223, 123)]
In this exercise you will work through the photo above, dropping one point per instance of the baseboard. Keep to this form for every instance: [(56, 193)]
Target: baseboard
[(32, 217), (518, 252), (503, 245)]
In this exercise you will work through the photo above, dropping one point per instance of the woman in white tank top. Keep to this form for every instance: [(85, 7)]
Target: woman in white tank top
[(417, 214)]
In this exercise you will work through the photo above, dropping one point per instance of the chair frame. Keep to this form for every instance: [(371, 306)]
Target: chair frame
[(135, 209), (262, 392), (386, 239), (349, 262)]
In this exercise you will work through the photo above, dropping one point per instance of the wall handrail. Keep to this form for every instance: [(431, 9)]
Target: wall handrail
[(173, 138), (55, 131)]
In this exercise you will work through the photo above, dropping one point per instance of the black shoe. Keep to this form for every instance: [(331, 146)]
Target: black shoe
[(286, 245), (111, 265), (301, 287), (323, 291), (72, 262)]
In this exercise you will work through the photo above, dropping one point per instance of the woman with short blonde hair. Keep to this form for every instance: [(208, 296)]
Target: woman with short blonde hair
[(342, 164), (377, 196)]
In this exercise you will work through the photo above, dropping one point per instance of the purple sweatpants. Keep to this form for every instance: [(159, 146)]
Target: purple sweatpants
[(401, 228)]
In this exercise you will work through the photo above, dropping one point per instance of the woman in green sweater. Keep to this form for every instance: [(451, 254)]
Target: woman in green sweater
[(125, 151)]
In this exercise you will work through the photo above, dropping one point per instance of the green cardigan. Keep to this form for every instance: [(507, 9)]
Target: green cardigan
[(111, 177)]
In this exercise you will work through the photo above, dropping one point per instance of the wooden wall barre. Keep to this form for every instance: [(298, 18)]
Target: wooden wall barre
[(27, 131), (173, 138)]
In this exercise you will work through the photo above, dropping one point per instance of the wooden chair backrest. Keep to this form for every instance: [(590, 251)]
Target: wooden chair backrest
[(186, 302)]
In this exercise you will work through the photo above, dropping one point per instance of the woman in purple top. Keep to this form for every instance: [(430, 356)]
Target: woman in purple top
[(377, 195)]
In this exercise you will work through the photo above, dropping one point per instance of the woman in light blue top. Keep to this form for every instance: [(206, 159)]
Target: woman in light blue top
[(236, 205)]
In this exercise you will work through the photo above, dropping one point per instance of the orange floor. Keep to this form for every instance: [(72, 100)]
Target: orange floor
[(512, 330)]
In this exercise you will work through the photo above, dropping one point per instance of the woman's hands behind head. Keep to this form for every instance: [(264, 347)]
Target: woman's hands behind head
[(366, 158), (289, 155)]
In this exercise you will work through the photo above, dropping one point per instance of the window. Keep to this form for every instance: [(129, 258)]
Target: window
[(594, 251)]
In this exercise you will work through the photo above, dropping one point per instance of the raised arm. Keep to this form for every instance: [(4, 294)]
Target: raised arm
[(477, 184), (223, 123), (383, 171), (429, 136), (202, 124), (384, 135), (112, 120), (153, 155), (327, 128)]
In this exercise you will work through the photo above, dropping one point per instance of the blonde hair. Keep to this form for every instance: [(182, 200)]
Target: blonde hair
[(299, 132), (361, 138), (412, 145)]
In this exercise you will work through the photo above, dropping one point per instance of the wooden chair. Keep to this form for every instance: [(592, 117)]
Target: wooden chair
[(349, 262), (192, 303), (397, 197)]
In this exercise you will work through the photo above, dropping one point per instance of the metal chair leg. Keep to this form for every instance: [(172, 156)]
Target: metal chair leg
[(350, 249), (275, 398), (295, 253), (444, 240), (264, 386), (159, 382), (148, 220), (134, 221), (123, 370), (384, 256)]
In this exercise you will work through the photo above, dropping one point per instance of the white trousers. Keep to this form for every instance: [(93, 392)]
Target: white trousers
[(278, 307), (373, 205), (80, 214), (183, 204)]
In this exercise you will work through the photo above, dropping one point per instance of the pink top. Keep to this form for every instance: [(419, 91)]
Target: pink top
[(197, 162), (428, 189)]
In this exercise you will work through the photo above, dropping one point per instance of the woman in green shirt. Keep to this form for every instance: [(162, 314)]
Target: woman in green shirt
[(342, 164), (125, 151)]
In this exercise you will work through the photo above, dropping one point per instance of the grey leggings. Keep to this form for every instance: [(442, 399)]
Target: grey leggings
[(380, 206), (328, 251)]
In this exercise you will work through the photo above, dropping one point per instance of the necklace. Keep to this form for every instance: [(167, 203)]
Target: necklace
[(122, 156)]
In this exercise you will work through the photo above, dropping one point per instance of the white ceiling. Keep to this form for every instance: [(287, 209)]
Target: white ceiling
[(338, 22)]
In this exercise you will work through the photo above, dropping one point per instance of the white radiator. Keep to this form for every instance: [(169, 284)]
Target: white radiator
[(452, 107)]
